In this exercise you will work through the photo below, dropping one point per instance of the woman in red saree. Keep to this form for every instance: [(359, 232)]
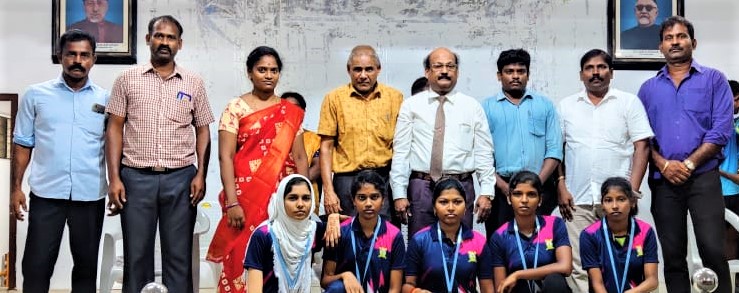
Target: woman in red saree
[(259, 143)]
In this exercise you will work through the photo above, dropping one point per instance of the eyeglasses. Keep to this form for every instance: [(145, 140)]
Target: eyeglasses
[(98, 2), (440, 67), (648, 8)]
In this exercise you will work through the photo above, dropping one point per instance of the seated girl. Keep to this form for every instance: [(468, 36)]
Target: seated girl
[(530, 253), (371, 251), (277, 257), (620, 251), (448, 256)]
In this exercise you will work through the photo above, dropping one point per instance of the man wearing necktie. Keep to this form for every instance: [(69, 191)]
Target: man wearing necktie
[(440, 133)]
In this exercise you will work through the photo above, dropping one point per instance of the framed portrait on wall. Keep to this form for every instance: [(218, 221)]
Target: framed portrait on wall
[(112, 22), (633, 31)]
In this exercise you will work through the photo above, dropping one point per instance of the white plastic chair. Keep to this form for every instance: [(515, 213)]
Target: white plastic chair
[(694, 258), (111, 267)]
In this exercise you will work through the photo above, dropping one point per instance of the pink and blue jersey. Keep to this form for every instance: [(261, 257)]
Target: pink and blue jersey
[(388, 254), (594, 253), (260, 254), (505, 253), (424, 261)]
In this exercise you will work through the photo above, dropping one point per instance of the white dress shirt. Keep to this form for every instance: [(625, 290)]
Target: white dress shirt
[(468, 145), (599, 140)]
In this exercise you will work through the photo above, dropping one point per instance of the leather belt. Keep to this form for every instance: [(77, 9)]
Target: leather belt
[(427, 177), (158, 169)]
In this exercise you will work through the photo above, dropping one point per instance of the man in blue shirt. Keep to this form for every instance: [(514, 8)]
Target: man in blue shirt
[(526, 134), (689, 109), (62, 121)]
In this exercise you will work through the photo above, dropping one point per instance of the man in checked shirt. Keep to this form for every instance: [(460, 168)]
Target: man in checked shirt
[(150, 165)]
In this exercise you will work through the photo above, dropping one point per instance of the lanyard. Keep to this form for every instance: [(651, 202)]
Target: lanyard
[(449, 278), (536, 250), (369, 252), (278, 253), (619, 287)]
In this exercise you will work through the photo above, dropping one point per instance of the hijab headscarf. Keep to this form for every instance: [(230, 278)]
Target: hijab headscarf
[(292, 236)]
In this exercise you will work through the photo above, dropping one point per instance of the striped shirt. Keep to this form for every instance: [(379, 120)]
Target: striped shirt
[(160, 113)]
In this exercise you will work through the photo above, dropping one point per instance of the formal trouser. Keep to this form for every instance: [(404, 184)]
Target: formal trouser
[(162, 196), (731, 245), (582, 217), (502, 212), (46, 219), (421, 198), (343, 188), (701, 195), (552, 283)]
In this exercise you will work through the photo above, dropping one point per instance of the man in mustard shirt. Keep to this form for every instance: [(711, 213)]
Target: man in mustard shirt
[(357, 125)]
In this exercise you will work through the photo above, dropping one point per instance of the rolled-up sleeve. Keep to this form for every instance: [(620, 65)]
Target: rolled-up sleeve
[(554, 134), (24, 131), (722, 107)]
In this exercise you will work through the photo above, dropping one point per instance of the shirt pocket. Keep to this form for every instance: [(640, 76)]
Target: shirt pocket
[(697, 104), (537, 126), (179, 110), (464, 136)]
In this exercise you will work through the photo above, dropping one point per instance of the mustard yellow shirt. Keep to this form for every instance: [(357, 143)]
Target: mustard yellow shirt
[(363, 128)]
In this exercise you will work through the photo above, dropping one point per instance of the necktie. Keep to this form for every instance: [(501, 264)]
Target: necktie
[(437, 146)]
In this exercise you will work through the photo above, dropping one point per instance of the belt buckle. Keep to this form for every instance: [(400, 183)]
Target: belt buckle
[(159, 169)]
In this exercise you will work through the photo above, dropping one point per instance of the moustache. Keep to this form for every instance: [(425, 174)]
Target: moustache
[(594, 78), (445, 77), (76, 66), (164, 47)]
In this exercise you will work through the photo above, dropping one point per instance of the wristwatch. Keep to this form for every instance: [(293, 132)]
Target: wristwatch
[(689, 164)]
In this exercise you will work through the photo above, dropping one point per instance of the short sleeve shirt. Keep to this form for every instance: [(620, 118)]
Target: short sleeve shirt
[(424, 260), (594, 254), (260, 254), (160, 114), (504, 249)]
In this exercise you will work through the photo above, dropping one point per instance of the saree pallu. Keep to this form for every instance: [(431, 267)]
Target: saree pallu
[(262, 159)]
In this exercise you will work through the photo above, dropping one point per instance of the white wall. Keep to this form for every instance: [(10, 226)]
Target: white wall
[(314, 38)]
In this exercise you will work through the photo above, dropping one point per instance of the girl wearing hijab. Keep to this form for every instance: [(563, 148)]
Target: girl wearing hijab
[(620, 251), (277, 257), (448, 256), (531, 253)]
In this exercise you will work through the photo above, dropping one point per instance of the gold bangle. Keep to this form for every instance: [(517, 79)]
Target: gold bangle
[(560, 178), (665, 167)]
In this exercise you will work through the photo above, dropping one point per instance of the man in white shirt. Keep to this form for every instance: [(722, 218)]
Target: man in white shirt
[(466, 146), (606, 134)]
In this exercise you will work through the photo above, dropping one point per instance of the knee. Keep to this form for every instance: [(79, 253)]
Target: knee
[(335, 287), (555, 283)]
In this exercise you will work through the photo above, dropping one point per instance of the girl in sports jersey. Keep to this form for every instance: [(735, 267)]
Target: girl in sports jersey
[(620, 251), (531, 253), (448, 256), (371, 252)]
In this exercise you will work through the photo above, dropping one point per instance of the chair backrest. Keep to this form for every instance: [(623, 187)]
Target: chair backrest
[(694, 258)]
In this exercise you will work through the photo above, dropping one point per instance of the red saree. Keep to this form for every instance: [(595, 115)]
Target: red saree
[(262, 159)]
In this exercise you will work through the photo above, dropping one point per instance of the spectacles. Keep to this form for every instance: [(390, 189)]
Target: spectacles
[(440, 67), (648, 8), (98, 2)]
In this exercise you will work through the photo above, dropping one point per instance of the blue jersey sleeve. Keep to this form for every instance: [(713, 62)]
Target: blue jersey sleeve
[(485, 263), (560, 233), (650, 248), (259, 250), (413, 258), (589, 251), (496, 246), (398, 255)]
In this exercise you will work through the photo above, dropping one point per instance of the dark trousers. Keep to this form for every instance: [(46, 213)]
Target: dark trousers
[(343, 188), (46, 220), (421, 198), (502, 212), (152, 196), (701, 195), (552, 283)]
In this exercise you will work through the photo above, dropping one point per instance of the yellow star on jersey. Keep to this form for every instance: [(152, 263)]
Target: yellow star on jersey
[(382, 253), (550, 244), (472, 256)]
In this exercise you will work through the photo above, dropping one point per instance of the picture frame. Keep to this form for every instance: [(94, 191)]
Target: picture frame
[(633, 36), (112, 22)]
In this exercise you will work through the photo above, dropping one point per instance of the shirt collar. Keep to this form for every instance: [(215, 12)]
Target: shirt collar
[(694, 66), (542, 222), (527, 95), (176, 73), (466, 232), (375, 94), (357, 227), (432, 96), (60, 82), (583, 96)]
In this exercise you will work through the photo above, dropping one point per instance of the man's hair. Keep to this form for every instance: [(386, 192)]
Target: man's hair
[(514, 56), (734, 87), (260, 52), (674, 20), (165, 18), (298, 97), (596, 53), (363, 50), (427, 62), (75, 35), (419, 85)]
